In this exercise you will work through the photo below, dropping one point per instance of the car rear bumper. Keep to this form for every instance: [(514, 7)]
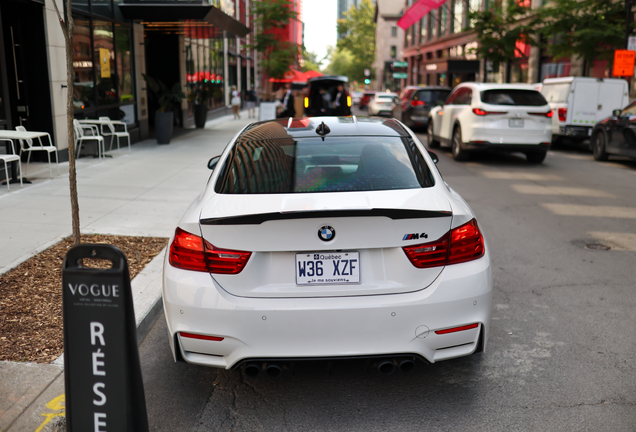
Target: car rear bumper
[(483, 145), (331, 327), (576, 131)]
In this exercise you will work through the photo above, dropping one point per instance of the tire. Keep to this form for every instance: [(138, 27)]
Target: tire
[(459, 154), (431, 143), (599, 148), (536, 157)]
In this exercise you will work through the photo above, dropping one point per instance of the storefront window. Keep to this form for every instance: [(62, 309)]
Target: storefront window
[(104, 58), (432, 22), (102, 7), (443, 20), (81, 5), (83, 85), (123, 40)]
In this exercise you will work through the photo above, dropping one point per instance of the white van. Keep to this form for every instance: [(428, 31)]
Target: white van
[(578, 103)]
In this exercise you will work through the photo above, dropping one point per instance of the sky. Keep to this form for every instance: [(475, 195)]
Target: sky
[(319, 17)]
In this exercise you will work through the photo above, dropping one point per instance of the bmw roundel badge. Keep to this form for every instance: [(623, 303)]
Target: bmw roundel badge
[(326, 233)]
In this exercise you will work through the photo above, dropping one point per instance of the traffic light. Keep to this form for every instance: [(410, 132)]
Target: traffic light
[(367, 81)]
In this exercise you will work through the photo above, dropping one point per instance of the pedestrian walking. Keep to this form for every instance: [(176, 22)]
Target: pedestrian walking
[(342, 108), (288, 104), (236, 103), (250, 99)]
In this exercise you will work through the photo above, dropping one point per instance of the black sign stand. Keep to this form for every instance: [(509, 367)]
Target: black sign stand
[(104, 387)]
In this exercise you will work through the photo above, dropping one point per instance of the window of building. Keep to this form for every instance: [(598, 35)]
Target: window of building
[(393, 51), (423, 29), (394, 31), (104, 62), (83, 82), (414, 28), (408, 36), (475, 6), (458, 16), (432, 24), (443, 19)]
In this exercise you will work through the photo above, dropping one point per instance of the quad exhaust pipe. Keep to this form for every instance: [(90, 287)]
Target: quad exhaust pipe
[(274, 370), (252, 369), (388, 366)]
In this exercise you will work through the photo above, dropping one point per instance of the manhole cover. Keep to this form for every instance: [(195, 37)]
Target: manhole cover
[(597, 246)]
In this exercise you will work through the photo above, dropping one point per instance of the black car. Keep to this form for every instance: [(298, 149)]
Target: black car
[(615, 135), (415, 102), (321, 96)]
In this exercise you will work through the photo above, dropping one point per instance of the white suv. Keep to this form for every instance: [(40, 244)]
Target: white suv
[(510, 117)]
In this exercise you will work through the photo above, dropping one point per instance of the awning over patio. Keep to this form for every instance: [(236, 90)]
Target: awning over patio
[(290, 76), (417, 11)]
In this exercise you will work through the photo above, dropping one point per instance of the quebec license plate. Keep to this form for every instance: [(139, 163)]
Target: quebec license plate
[(327, 268), (515, 123)]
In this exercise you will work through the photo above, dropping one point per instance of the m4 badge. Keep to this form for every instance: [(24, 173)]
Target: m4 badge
[(414, 236)]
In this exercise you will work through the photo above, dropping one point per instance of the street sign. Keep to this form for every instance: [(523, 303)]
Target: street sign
[(400, 64), (367, 72), (624, 63), (400, 75), (103, 384), (631, 43)]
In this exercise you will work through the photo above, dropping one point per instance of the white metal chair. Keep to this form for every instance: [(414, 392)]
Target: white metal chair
[(109, 129), (11, 157), (88, 133), (26, 145)]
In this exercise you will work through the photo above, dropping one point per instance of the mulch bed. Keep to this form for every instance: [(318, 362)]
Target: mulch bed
[(31, 296)]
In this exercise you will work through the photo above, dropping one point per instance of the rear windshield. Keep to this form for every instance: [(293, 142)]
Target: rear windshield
[(335, 165), (557, 93), (432, 97), (386, 96), (513, 97)]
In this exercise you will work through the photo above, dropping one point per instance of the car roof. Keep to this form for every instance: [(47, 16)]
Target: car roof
[(306, 128), (495, 86), (386, 94), (427, 88), (329, 78)]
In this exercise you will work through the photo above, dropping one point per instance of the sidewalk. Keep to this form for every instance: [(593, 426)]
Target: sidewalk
[(141, 193)]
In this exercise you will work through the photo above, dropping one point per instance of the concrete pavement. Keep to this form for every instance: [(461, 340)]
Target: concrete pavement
[(141, 193)]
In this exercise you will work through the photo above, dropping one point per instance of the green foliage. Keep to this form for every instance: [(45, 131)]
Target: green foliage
[(498, 29), (358, 29), (342, 62), (278, 55), (162, 94), (310, 61), (591, 29)]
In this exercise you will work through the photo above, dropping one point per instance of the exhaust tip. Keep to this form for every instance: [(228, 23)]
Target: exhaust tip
[(406, 365), (274, 370), (386, 367), (252, 370)]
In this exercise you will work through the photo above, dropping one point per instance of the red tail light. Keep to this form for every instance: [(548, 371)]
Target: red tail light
[(466, 244), (481, 112), (563, 112), (202, 337), (191, 252), (416, 103), (454, 329), (548, 114)]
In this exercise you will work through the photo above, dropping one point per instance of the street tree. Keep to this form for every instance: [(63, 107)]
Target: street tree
[(278, 55), (588, 29), (358, 30), (499, 28), (310, 61), (67, 29), (340, 62)]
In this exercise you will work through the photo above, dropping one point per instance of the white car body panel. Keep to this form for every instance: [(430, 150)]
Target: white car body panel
[(381, 102)]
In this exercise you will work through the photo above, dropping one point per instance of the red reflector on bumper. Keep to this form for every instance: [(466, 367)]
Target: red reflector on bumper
[(456, 329), (198, 336)]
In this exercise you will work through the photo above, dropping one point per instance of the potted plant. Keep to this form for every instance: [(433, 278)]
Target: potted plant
[(201, 97), (163, 116)]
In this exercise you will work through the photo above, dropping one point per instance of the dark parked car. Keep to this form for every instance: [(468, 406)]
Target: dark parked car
[(615, 135), (366, 98), (321, 96), (415, 103)]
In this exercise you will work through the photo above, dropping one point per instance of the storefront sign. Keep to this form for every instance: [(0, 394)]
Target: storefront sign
[(624, 63), (103, 383), (431, 67), (104, 62)]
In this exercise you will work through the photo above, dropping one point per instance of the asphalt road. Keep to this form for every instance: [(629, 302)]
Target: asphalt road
[(561, 352)]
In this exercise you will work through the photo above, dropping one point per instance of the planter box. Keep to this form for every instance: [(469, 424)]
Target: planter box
[(200, 116), (163, 126)]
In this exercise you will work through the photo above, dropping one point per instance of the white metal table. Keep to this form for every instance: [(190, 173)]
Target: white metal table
[(21, 135)]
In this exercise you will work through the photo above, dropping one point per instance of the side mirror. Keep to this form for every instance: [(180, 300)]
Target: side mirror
[(433, 156), (212, 162), (617, 113)]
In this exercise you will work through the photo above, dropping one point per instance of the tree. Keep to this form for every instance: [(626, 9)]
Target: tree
[(341, 62), (589, 29), (358, 29), (499, 28), (310, 61), (278, 55), (68, 27)]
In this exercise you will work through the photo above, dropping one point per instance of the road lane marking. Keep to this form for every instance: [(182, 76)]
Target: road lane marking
[(593, 211), (560, 190), (619, 241), (503, 175)]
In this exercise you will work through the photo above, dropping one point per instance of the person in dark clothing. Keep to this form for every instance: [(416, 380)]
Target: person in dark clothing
[(342, 109), (250, 98), (288, 104)]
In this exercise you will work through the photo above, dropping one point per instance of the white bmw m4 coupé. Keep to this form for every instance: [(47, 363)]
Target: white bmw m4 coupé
[(326, 238)]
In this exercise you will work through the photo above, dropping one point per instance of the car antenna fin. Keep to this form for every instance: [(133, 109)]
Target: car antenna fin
[(322, 130)]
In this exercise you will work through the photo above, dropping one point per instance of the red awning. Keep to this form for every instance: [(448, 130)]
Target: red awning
[(312, 74), (417, 11), (291, 75)]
